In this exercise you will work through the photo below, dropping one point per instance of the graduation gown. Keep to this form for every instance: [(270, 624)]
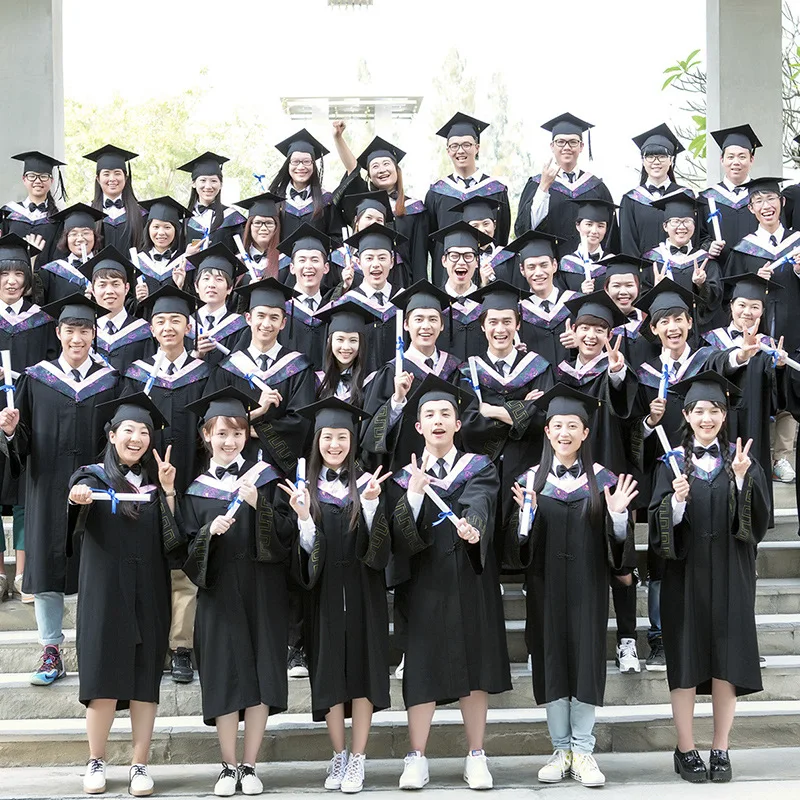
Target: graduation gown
[(117, 231), (158, 273), (304, 332), (791, 206), (130, 343), (709, 584), (228, 331), (125, 597), (636, 347), (222, 232), (541, 331), (568, 561), (462, 335), (735, 221), (346, 618), (59, 431), (17, 218), (572, 271), (60, 279), (448, 192), (641, 224), (241, 628), (294, 213), (456, 631), (379, 336)]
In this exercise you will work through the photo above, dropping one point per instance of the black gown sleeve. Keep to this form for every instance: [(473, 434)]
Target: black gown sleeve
[(523, 222), (752, 506), (669, 541), (274, 533), (198, 565), (373, 546)]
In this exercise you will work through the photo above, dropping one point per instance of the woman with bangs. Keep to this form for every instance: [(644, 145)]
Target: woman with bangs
[(262, 233)]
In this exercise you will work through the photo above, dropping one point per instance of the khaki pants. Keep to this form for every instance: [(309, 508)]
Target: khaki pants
[(184, 606), (784, 431)]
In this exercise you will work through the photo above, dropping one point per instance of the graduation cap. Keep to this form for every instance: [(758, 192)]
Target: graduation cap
[(75, 306), (347, 317), (658, 140), (207, 164), (376, 237), (261, 205), (533, 244), (622, 264), (334, 413), (15, 248), (306, 237), (78, 215), (750, 287), (302, 142), (355, 204), (111, 157), (680, 203), (170, 299), (595, 210), (423, 294), (597, 304), (707, 385), (563, 399), (34, 161), (477, 208), (433, 388), (226, 402), (268, 292), (136, 407), (666, 295), (462, 125), (765, 184), (738, 136), (461, 234), (380, 148), (108, 258), (165, 209), (499, 296), (218, 256)]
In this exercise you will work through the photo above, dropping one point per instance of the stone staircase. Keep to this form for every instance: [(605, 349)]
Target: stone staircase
[(45, 726)]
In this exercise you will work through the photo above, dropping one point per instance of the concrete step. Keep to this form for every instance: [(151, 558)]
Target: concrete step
[(509, 732)]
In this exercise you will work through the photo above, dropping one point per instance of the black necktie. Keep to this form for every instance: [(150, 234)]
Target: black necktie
[(676, 365), (737, 189), (574, 470), (379, 298), (33, 207), (441, 463), (570, 176), (231, 469), (545, 306), (594, 256), (257, 257), (311, 303), (500, 366), (675, 250), (736, 334), (332, 475), (171, 369), (429, 363), (712, 450), (468, 182), (111, 328), (265, 362), (773, 240), (136, 469), (659, 190), (294, 194), (210, 321), (76, 375), (161, 256), (116, 203)]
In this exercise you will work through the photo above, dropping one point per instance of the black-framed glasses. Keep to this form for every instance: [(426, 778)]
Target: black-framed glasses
[(41, 177), (467, 258), (266, 223), (456, 146), (562, 144), (301, 162)]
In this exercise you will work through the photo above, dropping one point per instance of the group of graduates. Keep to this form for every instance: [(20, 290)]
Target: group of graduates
[(231, 431)]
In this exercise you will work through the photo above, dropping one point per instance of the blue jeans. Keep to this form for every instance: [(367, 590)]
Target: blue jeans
[(654, 609), (570, 723), (49, 609)]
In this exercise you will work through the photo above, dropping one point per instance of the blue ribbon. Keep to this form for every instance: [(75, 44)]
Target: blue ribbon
[(249, 377), (8, 388), (443, 515), (400, 346), (664, 382), (113, 495), (670, 453), (714, 214), (234, 504), (775, 356), (260, 179)]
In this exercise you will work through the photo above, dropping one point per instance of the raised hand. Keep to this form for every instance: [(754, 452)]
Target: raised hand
[(166, 470), (372, 491), (716, 247), (142, 291), (587, 286), (616, 361), (568, 339), (741, 460), (782, 354), (623, 494), (339, 127), (487, 274), (750, 345), (348, 273), (658, 274), (299, 499), (680, 486), (179, 272), (9, 421), (80, 494), (658, 408), (549, 173), (419, 479), (248, 492), (699, 274), (402, 386), (518, 493)]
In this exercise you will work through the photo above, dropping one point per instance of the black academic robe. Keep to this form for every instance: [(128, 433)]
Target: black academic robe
[(789, 393), (791, 206), (735, 219), (636, 347), (562, 214), (124, 593), (462, 334), (303, 332), (157, 274), (130, 343), (347, 617), (541, 330), (293, 216), (380, 343), (171, 394), (641, 224), (241, 629), (229, 330), (568, 561), (58, 432), (456, 631), (117, 231), (449, 192), (16, 218), (282, 432), (709, 584), (222, 230), (60, 279), (572, 271)]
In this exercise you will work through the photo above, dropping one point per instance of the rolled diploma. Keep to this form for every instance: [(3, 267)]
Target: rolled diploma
[(8, 378), (712, 207), (662, 437)]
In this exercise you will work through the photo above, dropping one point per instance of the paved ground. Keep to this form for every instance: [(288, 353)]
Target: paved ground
[(773, 773)]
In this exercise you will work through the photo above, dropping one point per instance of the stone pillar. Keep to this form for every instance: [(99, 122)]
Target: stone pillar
[(743, 44), (31, 90)]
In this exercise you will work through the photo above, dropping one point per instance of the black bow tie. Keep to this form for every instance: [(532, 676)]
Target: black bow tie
[(633, 316), (659, 190), (116, 203), (574, 470), (302, 194), (161, 256), (75, 262), (675, 250), (231, 469), (201, 209), (136, 469), (257, 257), (33, 207), (713, 451), (346, 378), (332, 475), (594, 256), (736, 334)]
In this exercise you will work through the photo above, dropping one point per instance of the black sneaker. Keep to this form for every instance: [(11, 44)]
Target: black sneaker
[(182, 671), (655, 661), (297, 665)]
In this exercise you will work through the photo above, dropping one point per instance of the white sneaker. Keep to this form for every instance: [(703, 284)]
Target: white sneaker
[(415, 772), (25, 598), (336, 770), (627, 657), (353, 780), (398, 673), (783, 471), (476, 770), (248, 779), (557, 768), (585, 770), (226, 782), (94, 779), (140, 784)]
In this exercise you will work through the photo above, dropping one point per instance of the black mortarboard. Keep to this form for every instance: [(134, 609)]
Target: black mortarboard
[(423, 294), (334, 413), (738, 136), (262, 205), (664, 295), (15, 248), (764, 184), (751, 286), (207, 164), (533, 244), (108, 258), (499, 296), (566, 124), (434, 388), (595, 209), (136, 407), (796, 139), (226, 402), (78, 215), (657, 140), (376, 237), (680, 203), (169, 299), (380, 148), (347, 317), (597, 304), (111, 157), (355, 204), (218, 256), (462, 125), (34, 161), (461, 234), (563, 399), (622, 264), (76, 306), (707, 385), (306, 237), (302, 142), (268, 292), (165, 209), (477, 208)]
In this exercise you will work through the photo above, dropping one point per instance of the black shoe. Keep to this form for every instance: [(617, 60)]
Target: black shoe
[(296, 664), (656, 662), (690, 766), (719, 766), (182, 671)]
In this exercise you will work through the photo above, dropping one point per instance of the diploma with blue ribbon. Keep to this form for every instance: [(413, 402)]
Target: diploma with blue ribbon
[(8, 379), (663, 384), (668, 451), (119, 497), (445, 512)]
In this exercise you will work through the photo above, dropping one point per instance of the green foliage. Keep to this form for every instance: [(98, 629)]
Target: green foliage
[(681, 68)]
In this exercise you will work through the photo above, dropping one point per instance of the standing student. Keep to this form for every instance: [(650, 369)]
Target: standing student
[(496, 262), (262, 233), (791, 205), (593, 222), (463, 136), (238, 558), (453, 590), (343, 548), (123, 585), (579, 531), (640, 223), (706, 524)]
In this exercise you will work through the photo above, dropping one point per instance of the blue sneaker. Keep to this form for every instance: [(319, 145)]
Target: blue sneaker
[(51, 668)]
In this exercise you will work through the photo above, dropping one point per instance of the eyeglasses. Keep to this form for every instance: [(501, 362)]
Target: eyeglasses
[(677, 222), (79, 233), (456, 146), (267, 223), (763, 200), (301, 162), (563, 144), (656, 159), (41, 177), (467, 258)]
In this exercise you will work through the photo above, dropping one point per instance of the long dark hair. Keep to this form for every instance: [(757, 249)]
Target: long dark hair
[(273, 255), (219, 209), (282, 180), (656, 150), (118, 482), (315, 467), (687, 440), (133, 211), (400, 203), (330, 381), (178, 243)]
